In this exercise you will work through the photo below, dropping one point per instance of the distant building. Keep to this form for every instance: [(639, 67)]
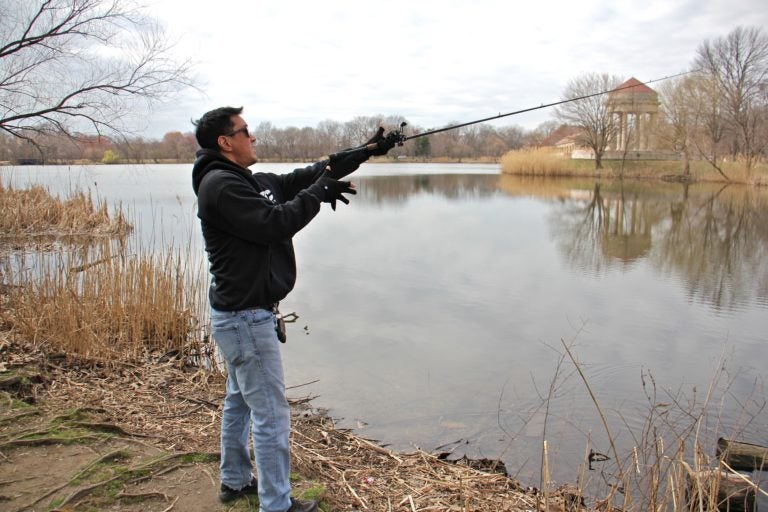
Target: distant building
[(635, 110), (563, 138)]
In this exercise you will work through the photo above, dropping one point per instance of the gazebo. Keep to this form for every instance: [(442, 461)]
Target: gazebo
[(635, 108)]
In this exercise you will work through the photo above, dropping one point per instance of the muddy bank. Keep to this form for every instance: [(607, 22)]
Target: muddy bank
[(146, 437)]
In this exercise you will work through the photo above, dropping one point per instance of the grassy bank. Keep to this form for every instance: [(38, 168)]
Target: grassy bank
[(551, 163)]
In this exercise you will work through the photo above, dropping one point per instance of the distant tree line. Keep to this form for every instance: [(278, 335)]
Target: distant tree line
[(276, 144)]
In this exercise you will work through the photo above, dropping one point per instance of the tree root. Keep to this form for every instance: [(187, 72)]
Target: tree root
[(98, 460), (155, 466), (109, 428), (38, 441), (16, 417)]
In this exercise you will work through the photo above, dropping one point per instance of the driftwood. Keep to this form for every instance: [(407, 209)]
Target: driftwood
[(720, 490), (742, 456)]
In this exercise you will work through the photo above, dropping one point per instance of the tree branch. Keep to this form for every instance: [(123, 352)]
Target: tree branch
[(51, 71)]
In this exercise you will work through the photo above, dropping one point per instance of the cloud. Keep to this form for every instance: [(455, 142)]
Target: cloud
[(433, 62)]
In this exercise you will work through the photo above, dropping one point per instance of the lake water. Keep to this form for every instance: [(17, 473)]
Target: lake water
[(435, 308)]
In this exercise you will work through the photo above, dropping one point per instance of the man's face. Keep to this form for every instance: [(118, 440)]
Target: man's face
[(238, 145)]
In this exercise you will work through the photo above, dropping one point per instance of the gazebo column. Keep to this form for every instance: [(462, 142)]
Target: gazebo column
[(636, 136), (646, 130), (623, 131), (651, 130)]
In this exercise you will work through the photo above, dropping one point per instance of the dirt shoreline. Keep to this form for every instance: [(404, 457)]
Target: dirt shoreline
[(152, 429)]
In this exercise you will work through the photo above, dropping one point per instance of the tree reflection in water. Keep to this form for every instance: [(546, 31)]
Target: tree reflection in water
[(713, 238)]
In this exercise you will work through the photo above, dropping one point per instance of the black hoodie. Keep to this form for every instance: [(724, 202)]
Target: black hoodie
[(248, 221)]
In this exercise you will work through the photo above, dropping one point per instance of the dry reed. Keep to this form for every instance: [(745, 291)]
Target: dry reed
[(552, 162), (34, 211), (114, 307), (668, 468), (90, 294), (538, 162)]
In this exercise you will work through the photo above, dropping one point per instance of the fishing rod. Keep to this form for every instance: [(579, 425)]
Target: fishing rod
[(400, 137)]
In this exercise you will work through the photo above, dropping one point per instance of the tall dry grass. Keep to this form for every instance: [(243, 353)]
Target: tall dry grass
[(670, 464), (539, 162), (550, 162), (95, 295), (108, 304), (34, 211)]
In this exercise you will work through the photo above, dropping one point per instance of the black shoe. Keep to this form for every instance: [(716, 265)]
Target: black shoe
[(302, 506), (227, 494)]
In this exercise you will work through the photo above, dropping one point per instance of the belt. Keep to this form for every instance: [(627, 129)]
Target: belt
[(269, 307)]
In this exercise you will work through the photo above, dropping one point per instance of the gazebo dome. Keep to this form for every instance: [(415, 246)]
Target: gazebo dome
[(633, 96)]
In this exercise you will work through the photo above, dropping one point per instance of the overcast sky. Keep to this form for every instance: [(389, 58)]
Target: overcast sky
[(435, 62)]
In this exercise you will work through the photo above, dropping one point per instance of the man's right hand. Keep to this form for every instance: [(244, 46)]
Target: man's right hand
[(333, 190)]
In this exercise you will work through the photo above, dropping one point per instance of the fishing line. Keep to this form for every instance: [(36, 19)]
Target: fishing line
[(531, 109)]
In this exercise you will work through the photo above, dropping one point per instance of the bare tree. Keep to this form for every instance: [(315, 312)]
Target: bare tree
[(739, 65), (359, 129), (77, 65), (513, 136), (287, 141), (266, 140), (710, 127), (534, 138), (679, 118), (590, 114), (179, 146), (330, 134)]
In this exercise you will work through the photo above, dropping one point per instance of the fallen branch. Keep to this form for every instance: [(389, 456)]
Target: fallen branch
[(170, 507), (143, 495)]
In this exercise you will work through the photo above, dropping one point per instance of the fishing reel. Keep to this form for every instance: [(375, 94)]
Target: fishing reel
[(371, 147), (394, 137), (399, 134), (379, 144)]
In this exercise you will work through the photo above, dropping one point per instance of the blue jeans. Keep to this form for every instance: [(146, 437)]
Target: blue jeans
[(255, 396)]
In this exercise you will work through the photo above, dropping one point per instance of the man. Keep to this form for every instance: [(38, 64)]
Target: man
[(248, 221)]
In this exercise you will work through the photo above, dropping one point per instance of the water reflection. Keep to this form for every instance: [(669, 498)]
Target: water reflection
[(711, 237), (397, 189), (717, 241)]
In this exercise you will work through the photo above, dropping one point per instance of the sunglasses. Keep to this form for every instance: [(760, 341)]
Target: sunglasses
[(243, 130)]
